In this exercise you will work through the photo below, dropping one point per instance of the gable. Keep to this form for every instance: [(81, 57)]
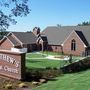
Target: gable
[(6, 44), (74, 36), (81, 36), (57, 35)]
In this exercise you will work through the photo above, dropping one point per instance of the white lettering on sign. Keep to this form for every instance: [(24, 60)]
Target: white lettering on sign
[(12, 70), (9, 69), (9, 59)]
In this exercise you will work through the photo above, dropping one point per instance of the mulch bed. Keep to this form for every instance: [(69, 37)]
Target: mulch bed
[(5, 80)]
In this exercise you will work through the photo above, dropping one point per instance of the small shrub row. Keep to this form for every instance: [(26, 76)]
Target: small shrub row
[(43, 73), (77, 66)]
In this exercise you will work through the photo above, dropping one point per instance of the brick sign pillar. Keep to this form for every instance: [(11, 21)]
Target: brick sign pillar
[(12, 64)]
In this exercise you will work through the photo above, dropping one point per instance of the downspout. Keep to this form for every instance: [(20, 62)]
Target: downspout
[(62, 49)]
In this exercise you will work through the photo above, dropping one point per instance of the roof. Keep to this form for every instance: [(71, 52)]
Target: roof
[(80, 34), (44, 38), (56, 35), (14, 41), (18, 38), (25, 37)]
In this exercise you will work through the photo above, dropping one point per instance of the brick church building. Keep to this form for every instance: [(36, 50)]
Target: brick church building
[(24, 41), (65, 39), (69, 39)]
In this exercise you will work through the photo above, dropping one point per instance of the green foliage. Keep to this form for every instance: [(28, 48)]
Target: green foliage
[(75, 81), (15, 8), (31, 55), (33, 61), (51, 53), (43, 63), (84, 23), (36, 74)]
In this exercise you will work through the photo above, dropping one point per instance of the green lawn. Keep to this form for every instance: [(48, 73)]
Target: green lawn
[(33, 61), (43, 63), (75, 81), (34, 55), (51, 53)]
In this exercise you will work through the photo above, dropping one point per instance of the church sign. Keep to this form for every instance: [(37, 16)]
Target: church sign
[(12, 64)]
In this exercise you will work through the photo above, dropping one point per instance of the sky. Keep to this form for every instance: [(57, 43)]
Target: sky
[(52, 12)]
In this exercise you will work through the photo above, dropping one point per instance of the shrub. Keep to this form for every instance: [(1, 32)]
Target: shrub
[(48, 68), (55, 68)]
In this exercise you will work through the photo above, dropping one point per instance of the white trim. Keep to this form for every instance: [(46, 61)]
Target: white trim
[(9, 34), (85, 46), (2, 39), (8, 39), (62, 44), (5, 37), (24, 50), (77, 36)]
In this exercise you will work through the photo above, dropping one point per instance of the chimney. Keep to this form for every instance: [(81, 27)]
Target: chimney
[(36, 31)]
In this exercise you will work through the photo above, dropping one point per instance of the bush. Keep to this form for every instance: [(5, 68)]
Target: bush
[(48, 68), (77, 66), (47, 73), (55, 68)]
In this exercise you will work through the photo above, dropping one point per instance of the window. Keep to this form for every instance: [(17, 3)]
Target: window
[(73, 45), (56, 47)]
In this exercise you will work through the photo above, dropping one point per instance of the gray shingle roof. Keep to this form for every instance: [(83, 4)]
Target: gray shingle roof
[(44, 38), (57, 35), (26, 37), (80, 34), (15, 42)]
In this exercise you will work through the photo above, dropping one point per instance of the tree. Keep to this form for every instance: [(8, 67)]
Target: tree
[(15, 8), (84, 24)]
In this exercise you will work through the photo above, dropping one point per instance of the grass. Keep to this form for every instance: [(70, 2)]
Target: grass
[(43, 63), (51, 53), (32, 62), (75, 81), (34, 55)]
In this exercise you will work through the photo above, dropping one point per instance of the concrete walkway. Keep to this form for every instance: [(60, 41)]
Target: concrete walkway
[(51, 57)]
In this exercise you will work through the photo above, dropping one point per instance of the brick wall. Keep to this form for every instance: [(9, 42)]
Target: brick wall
[(6, 45), (79, 45), (55, 48)]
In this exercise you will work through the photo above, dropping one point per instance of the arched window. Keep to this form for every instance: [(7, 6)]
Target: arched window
[(73, 45)]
